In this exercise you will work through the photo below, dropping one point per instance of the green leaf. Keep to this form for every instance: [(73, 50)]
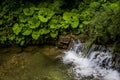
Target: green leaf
[(22, 18), (18, 39), (54, 34), (35, 35), (27, 32), (3, 39), (75, 23), (22, 42), (85, 15), (16, 29), (85, 22), (44, 31), (29, 11), (65, 24), (34, 22), (1, 22), (55, 22), (94, 5), (71, 18), (114, 7), (11, 37), (81, 26), (45, 14), (67, 16)]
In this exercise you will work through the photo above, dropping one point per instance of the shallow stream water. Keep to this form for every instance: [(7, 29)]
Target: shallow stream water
[(31, 63), (51, 63)]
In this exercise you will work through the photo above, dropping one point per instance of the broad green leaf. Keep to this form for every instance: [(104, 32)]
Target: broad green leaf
[(35, 35), (22, 42), (65, 24), (45, 14), (16, 29), (44, 31), (27, 32), (71, 18), (54, 34), (29, 11), (55, 22), (11, 37), (94, 5), (81, 26), (34, 22), (115, 7), (67, 16), (85, 22), (22, 18)]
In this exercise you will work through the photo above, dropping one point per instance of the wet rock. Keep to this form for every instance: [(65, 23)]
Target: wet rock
[(83, 38), (64, 41), (116, 62)]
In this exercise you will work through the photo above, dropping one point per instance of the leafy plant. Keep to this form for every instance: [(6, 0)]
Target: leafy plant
[(16, 28), (45, 14), (34, 22), (94, 5), (22, 18), (20, 40), (35, 35), (54, 34), (48, 19), (71, 18), (55, 22), (26, 30), (29, 11), (44, 31)]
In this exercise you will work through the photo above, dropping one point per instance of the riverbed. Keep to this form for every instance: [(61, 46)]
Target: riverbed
[(32, 63)]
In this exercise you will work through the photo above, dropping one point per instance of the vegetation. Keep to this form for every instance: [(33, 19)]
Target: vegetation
[(27, 22)]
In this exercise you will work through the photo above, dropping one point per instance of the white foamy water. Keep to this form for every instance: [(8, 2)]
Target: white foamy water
[(90, 66)]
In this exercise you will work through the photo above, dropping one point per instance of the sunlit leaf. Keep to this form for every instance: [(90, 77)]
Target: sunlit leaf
[(35, 35), (29, 11), (16, 29), (45, 14), (54, 34), (44, 31)]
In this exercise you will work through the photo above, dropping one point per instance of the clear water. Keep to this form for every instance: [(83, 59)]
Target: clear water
[(32, 63), (95, 66)]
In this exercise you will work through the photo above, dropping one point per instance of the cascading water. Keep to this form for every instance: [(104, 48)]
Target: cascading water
[(96, 65)]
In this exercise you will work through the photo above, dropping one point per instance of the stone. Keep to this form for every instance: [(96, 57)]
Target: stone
[(64, 41)]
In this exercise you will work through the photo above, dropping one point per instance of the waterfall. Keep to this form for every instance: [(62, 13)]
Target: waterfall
[(96, 65)]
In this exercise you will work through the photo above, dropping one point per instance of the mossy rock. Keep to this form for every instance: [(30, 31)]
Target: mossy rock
[(64, 41)]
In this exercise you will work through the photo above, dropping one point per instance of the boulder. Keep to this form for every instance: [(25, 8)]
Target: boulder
[(64, 41)]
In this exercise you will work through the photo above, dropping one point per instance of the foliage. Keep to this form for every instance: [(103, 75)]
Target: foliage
[(23, 21), (71, 18), (105, 23), (29, 11), (16, 28), (45, 14)]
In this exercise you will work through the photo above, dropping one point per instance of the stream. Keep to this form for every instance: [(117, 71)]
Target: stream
[(40, 63), (96, 65), (31, 63)]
